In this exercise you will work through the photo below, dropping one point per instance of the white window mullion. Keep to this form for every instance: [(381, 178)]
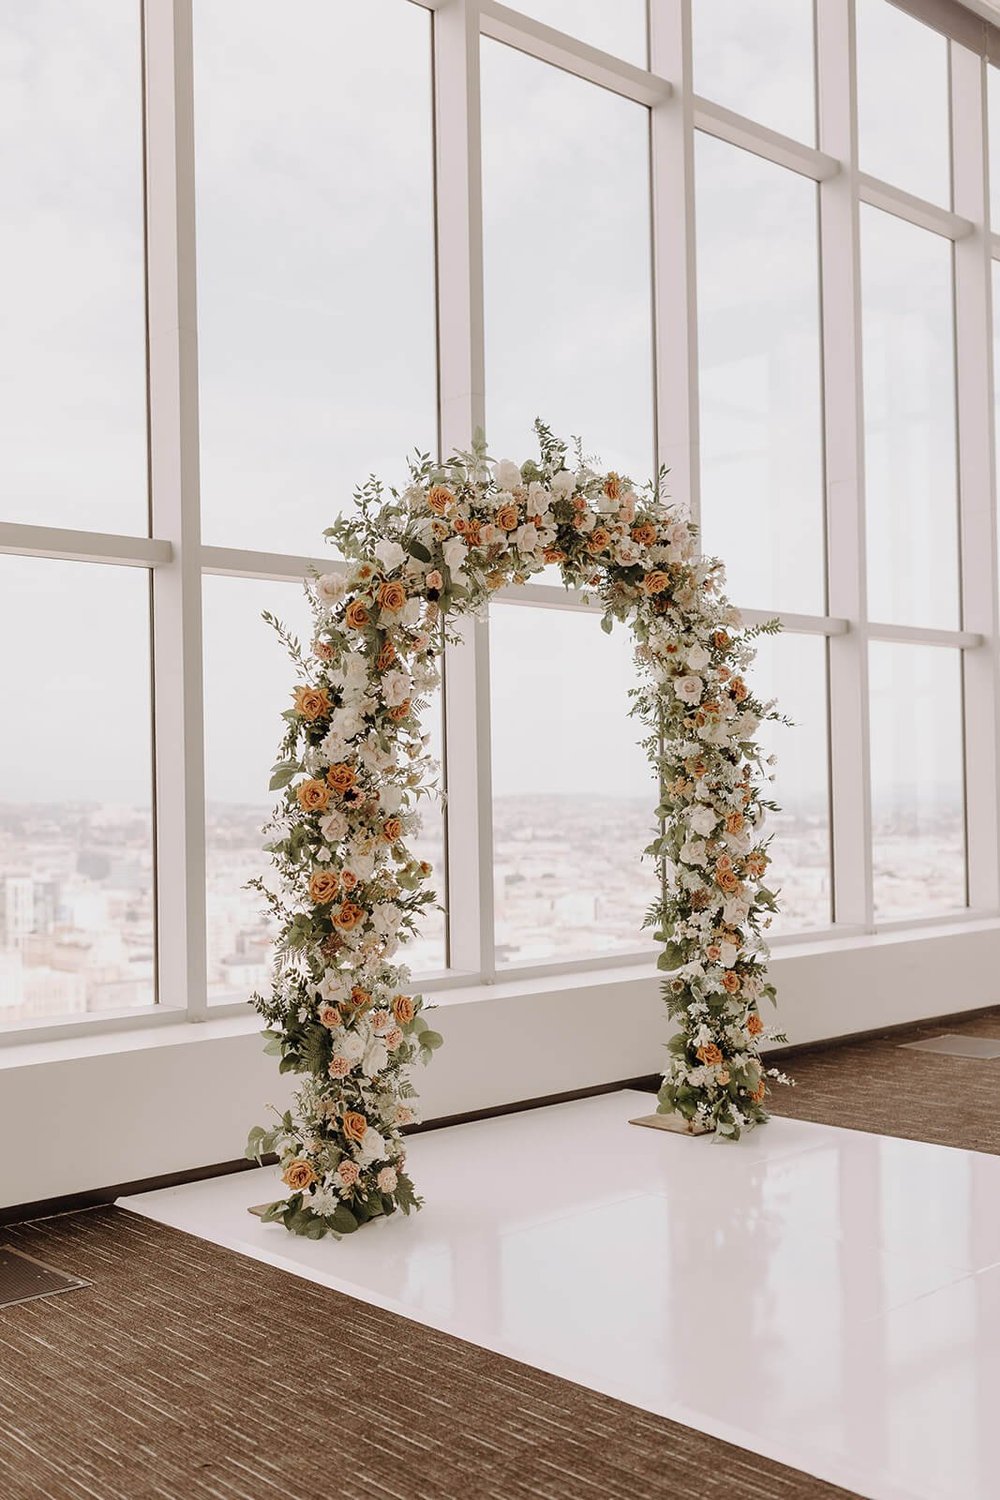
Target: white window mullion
[(462, 409), (977, 488), (845, 488), (675, 309), (173, 405)]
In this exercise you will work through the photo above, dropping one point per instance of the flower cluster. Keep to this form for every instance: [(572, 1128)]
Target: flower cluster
[(354, 767)]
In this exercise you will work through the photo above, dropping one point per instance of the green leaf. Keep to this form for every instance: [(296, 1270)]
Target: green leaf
[(418, 550), (282, 774), (342, 1221), (432, 1040)]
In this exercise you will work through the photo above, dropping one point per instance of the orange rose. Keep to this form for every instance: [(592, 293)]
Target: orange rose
[(330, 1015), (720, 640), (758, 1094), (313, 796), (341, 778), (554, 555), (399, 713), (424, 868), (392, 829), (356, 615), (323, 886), (312, 702), (347, 916), (709, 1055), (391, 597), (655, 582), (696, 767), (298, 1175), (755, 1025), (355, 1125), (386, 657), (734, 822), (506, 518), (613, 486), (739, 689), (403, 1009), (360, 998), (731, 982), (439, 499), (599, 539), (757, 863), (728, 881), (644, 534)]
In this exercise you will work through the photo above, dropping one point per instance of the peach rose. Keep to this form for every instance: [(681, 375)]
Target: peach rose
[(386, 1180), (347, 916), (341, 777), (393, 1038), (311, 702), (330, 1015), (734, 822), (312, 796), (731, 982), (360, 998), (348, 1172), (439, 499), (757, 863), (755, 1025), (391, 597), (348, 880), (386, 657), (356, 615), (713, 953), (392, 829), (339, 1066), (354, 1125), (323, 886), (323, 650), (655, 582), (644, 534), (709, 1055), (298, 1175), (403, 1009), (379, 1018), (506, 518)]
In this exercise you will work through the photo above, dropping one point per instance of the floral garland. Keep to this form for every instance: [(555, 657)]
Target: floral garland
[(354, 767)]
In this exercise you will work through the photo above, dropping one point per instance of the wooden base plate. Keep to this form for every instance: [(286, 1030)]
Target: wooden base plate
[(675, 1123)]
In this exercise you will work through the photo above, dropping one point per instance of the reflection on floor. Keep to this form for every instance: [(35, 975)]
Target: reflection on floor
[(826, 1297)]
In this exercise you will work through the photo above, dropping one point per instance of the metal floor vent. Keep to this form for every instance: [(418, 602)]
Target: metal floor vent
[(22, 1278), (953, 1045)]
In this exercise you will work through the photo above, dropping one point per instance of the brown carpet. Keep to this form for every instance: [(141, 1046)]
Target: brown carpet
[(871, 1084), (189, 1373)]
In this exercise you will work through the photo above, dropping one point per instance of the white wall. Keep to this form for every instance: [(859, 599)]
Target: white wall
[(90, 1112)]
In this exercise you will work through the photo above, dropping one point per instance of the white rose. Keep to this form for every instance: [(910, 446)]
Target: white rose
[(703, 819), (563, 484), (396, 688), (526, 538), (697, 658), (507, 474), (627, 552), (372, 1148), (391, 798), (333, 826), (330, 588), (693, 852), (351, 1046), (490, 535), (333, 986), (376, 1057), (735, 911), (411, 611), (453, 553), (688, 689), (385, 918), (333, 747), (390, 554), (728, 954)]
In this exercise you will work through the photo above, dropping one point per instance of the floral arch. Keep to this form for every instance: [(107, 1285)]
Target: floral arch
[(354, 767)]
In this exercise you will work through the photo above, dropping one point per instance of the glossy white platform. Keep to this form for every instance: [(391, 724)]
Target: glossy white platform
[(825, 1297)]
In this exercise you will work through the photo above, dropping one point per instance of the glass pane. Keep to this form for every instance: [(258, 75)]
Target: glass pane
[(993, 109), (567, 242), (918, 786), (315, 259), (910, 457), (573, 796), (792, 670), (759, 377), (756, 57), (76, 828), (904, 128), (617, 26), (248, 683), (72, 295)]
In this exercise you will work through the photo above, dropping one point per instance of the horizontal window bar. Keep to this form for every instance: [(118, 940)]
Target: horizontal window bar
[(83, 546), (797, 624), (563, 51), (235, 562), (916, 210), (916, 635), (715, 120)]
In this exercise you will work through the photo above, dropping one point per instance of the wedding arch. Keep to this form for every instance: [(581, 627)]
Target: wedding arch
[(353, 768)]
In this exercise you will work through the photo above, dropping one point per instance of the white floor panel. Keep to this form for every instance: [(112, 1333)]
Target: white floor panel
[(828, 1298)]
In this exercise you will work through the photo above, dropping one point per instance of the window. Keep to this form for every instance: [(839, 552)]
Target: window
[(619, 28), (910, 460), (759, 377), (566, 251), (574, 798), (72, 308), (993, 112), (315, 260), (918, 798), (76, 835), (903, 120), (756, 57)]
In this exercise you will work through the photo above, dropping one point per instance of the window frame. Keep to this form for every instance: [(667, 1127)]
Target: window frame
[(177, 560)]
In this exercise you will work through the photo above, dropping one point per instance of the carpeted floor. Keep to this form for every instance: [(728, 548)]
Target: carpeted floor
[(873, 1084), (189, 1373)]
